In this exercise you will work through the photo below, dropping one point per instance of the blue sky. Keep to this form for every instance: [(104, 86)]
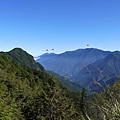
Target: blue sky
[(65, 25)]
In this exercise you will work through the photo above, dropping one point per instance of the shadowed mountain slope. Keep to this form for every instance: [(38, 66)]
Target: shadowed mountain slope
[(104, 71), (31, 94)]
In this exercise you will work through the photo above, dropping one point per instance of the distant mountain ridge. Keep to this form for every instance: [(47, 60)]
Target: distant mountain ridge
[(68, 63), (87, 67)]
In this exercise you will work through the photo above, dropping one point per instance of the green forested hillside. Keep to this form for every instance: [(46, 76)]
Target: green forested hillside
[(23, 58), (70, 85), (33, 94)]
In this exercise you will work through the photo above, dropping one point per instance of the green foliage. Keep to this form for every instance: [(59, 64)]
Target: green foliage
[(106, 106), (70, 85), (33, 94), (83, 100)]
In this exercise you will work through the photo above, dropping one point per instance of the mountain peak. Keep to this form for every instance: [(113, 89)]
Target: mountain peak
[(23, 58), (19, 50)]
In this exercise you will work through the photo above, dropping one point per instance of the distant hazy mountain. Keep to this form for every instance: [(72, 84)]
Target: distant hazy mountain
[(90, 68), (70, 62), (104, 71)]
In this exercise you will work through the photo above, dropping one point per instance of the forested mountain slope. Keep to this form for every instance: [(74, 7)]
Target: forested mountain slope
[(23, 58), (32, 94), (70, 85)]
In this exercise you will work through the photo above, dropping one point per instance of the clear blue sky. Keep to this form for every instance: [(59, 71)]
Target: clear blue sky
[(65, 25)]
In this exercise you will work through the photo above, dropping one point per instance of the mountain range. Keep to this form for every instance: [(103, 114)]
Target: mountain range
[(29, 92), (27, 60), (90, 68), (68, 63)]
